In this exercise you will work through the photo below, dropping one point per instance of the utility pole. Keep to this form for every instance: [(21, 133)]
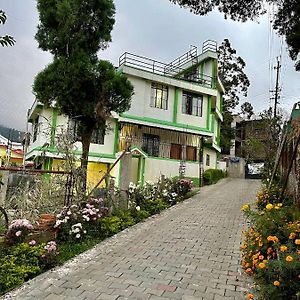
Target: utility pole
[(277, 90)]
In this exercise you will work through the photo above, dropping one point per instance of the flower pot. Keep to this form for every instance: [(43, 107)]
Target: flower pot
[(46, 222)]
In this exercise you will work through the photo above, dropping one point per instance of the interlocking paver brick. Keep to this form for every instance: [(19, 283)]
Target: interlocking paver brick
[(188, 252)]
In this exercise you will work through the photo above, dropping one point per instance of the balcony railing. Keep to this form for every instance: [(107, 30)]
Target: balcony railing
[(160, 68)]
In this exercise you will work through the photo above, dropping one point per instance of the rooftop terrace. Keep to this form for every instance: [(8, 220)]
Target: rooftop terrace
[(179, 68)]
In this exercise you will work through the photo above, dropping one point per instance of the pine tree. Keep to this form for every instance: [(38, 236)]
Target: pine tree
[(77, 82)]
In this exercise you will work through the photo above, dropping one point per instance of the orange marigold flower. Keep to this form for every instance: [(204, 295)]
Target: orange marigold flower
[(276, 283), (262, 265), (283, 248), (261, 257), (289, 258), (269, 206), (297, 242), (249, 270), (292, 235), (273, 238), (250, 296)]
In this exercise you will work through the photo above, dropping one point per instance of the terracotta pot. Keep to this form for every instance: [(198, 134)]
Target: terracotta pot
[(46, 221)]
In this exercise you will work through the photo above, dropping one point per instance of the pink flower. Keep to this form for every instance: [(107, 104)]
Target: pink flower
[(51, 247), (32, 243), (18, 233)]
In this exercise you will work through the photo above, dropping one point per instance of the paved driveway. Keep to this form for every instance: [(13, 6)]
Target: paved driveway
[(189, 252)]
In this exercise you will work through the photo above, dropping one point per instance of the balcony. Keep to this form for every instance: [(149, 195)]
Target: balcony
[(178, 68)]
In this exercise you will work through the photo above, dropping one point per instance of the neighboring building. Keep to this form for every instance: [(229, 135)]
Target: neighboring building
[(11, 148), (246, 130), (175, 106)]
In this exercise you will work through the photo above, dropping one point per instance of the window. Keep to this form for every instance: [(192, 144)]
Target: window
[(159, 96), (176, 151), (207, 160), (151, 144), (98, 136), (192, 104), (191, 153), (35, 129), (73, 130)]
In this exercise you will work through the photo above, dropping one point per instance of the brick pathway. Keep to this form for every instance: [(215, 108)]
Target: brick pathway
[(189, 252)]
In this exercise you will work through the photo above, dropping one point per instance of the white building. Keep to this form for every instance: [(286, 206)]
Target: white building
[(175, 116)]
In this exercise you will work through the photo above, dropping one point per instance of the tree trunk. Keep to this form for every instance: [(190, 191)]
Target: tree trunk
[(86, 141)]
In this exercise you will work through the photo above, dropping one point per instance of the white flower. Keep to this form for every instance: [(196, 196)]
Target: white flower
[(138, 208), (18, 233), (76, 230), (69, 213), (84, 231), (77, 236)]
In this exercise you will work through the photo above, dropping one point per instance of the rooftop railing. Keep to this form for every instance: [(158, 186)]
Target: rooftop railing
[(173, 69)]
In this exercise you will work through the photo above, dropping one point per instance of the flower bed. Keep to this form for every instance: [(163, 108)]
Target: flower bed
[(78, 228), (271, 247)]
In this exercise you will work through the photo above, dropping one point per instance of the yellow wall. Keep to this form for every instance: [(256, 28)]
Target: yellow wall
[(14, 158), (94, 173)]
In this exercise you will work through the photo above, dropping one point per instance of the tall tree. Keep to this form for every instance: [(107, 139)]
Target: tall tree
[(236, 83), (247, 110), (286, 22), (5, 40), (231, 71), (77, 82)]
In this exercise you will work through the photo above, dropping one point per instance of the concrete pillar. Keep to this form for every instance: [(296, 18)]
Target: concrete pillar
[(125, 179)]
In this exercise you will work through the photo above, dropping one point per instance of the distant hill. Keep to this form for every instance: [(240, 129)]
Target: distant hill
[(11, 134)]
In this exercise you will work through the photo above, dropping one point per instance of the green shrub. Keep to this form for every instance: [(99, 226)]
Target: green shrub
[(13, 274), (139, 215), (110, 225), (126, 219), (212, 176), (23, 263), (154, 206)]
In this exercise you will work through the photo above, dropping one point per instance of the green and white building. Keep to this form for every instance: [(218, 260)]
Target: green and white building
[(174, 120)]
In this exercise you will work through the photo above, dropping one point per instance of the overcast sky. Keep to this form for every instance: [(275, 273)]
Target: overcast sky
[(152, 28)]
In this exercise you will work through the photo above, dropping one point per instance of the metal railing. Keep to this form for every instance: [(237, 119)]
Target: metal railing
[(160, 68), (209, 45), (185, 58)]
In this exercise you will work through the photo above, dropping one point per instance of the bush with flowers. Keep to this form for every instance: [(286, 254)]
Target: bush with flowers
[(154, 197), (271, 250), (271, 195), (18, 230), (25, 261), (74, 222)]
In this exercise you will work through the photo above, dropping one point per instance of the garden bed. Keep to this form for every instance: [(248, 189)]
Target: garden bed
[(79, 228), (271, 247)]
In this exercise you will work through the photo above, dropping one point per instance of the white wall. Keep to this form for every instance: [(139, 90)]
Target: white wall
[(212, 158), (154, 168), (44, 134), (44, 130), (140, 102)]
